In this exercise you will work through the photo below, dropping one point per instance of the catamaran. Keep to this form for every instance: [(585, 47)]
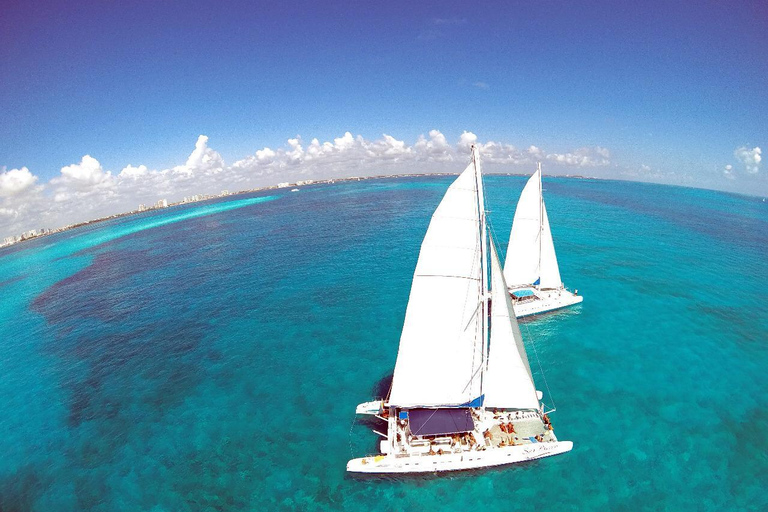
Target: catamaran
[(530, 268), (462, 395)]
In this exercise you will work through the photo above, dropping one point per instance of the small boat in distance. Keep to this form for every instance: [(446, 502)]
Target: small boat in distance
[(462, 395), (531, 268)]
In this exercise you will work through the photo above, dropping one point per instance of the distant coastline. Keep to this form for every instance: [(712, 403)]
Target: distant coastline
[(162, 203)]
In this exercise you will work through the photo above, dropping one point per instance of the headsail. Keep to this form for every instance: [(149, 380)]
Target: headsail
[(531, 257), (441, 346), (550, 271), (508, 382)]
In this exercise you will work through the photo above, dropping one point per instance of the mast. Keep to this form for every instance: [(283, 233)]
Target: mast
[(483, 256), (541, 217)]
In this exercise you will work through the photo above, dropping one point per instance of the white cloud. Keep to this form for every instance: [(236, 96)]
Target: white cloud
[(83, 180), (387, 147), (86, 190), (265, 155), (728, 172), (16, 181), (750, 158), (466, 139), (481, 85), (8, 212), (436, 148), (202, 160), (130, 171), (582, 157), (535, 152), (88, 172), (345, 142)]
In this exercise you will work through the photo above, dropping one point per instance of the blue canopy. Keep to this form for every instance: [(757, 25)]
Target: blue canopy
[(522, 293), (436, 422)]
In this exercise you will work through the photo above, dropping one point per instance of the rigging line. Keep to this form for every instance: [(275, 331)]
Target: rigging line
[(352, 426), (541, 369)]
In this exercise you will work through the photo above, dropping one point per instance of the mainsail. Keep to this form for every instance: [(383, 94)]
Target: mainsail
[(507, 382), (531, 257), (441, 347)]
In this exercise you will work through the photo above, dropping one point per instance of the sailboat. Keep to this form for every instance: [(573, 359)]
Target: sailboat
[(462, 395), (531, 268)]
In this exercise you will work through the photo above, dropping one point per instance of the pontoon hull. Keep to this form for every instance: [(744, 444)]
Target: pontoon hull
[(370, 408), (384, 464), (547, 300)]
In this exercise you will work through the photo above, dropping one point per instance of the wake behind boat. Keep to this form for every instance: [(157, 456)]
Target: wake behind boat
[(531, 268), (462, 394)]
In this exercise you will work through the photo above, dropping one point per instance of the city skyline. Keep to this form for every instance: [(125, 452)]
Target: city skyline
[(104, 104)]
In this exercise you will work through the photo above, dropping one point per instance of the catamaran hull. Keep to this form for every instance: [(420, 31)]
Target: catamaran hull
[(548, 300), (370, 408), (383, 464)]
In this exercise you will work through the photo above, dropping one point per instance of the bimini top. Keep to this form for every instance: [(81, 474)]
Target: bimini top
[(438, 422)]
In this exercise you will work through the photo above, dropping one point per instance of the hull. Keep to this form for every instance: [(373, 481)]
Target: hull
[(546, 300), (370, 408), (387, 464)]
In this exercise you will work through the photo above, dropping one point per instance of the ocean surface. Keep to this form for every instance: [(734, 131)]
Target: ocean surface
[(210, 356)]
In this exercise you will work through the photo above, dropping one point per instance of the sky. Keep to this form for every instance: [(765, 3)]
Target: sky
[(105, 105)]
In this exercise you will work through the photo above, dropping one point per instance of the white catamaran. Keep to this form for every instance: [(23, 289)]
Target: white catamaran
[(462, 394), (531, 268)]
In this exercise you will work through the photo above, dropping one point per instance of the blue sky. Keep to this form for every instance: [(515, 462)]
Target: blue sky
[(674, 88)]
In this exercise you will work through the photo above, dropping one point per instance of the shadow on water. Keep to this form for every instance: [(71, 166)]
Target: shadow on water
[(381, 388)]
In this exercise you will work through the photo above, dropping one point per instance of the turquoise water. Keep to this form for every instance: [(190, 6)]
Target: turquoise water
[(210, 357)]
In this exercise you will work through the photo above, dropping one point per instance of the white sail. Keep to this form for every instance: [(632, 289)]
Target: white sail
[(531, 255), (550, 271), (441, 346), (507, 382)]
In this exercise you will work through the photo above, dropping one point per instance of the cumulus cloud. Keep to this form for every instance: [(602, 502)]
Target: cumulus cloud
[(750, 158), (87, 172), (436, 148), (728, 172), (345, 142), (202, 160), (466, 140), (86, 190), (130, 171), (16, 181)]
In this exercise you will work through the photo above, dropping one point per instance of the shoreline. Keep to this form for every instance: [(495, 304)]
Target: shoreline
[(200, 198)]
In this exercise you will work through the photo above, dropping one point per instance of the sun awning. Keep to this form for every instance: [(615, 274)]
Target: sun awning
[(436, 422), (522, 293)]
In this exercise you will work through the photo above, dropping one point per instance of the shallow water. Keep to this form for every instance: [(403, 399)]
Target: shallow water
[(209, 357)]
